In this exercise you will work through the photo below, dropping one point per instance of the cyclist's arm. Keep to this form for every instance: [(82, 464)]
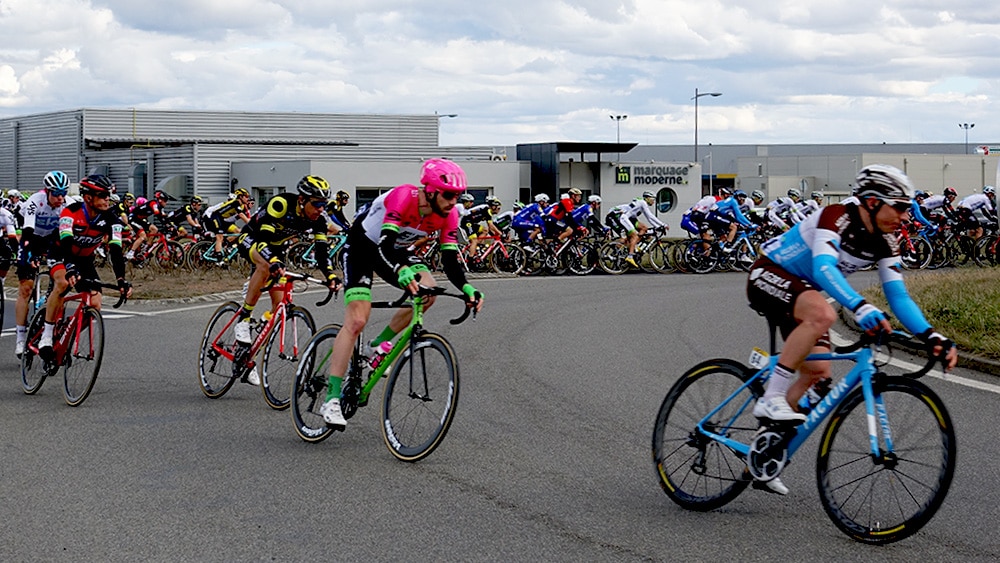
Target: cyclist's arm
[(902, 305), (918, 214), (647, 213), (826, 272)]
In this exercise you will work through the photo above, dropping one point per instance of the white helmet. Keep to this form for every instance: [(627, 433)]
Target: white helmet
[(542, 197), (594, 199), (14, 193)]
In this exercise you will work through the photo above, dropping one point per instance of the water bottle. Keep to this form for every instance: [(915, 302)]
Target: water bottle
[(379, 354), (814, 395)]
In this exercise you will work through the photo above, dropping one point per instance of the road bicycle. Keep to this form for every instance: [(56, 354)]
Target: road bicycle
[(161, 251), (703, 256), (77, 345), (885, 461), (202, 256), (421, 392), (222, 360), (651, 254), (301, 255), (555, 257), (496, 255)]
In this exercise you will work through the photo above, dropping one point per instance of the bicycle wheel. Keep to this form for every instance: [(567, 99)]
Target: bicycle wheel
[(698, 259), (695, 471), (195, 255), (744, 255), (170, 256), (659, 256), (512, 263), (611, 257), (918, 257), (82, 361), (281, 356), (309, 389), (984, 251), (888, 498), (215, 356), (34, 369), (420, 398), (581, 258), (300, 255)]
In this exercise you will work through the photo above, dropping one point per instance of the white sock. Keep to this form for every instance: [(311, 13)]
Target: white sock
[(22, 333), (779, 382), (47, 331)]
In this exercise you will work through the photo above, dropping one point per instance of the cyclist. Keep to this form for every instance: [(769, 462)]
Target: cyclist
[(779, 211), (41, 219), (187, 216), (262, 243), (558, 218), (627, 215), (14, 202), (816, 255), (141, 220), (83, 226), (504, 221), (725, 216), (588, 216), (966, 209), (8, 253), (221, 218), (335, 212), (378, 243), (478, 220), (528, 221)]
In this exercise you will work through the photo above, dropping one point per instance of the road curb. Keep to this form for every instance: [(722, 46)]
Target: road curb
[(965, 359)]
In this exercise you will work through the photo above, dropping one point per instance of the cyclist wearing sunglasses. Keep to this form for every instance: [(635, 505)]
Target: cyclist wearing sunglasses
[(38, 234), (379, 242), (262, 243), (83, 226), (817, 255)]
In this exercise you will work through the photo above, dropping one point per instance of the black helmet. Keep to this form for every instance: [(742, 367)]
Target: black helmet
[(315, 187), (96, 184)]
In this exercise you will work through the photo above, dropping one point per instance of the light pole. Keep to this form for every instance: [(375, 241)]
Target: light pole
[(709, 159), (618, 130), (695, 98), (966, 126)]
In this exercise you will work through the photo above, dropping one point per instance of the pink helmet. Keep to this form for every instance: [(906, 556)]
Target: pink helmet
[(140, 201), (444, 175)]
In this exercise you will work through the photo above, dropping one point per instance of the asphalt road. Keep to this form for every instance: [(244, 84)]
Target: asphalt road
[(548, 458)]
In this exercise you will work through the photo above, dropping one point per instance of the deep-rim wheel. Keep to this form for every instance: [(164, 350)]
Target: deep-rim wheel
[(888, 499), (309, 389), (215, 356), (282, 356), (611, 257), (695, 472), (696, 258), (581, 258), (195, 255), (919, 257), (420, 398), (512, 263), (82, 361), (34, 369)]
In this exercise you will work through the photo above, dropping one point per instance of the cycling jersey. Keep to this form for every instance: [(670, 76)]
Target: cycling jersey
[(80, 233), (528, 219), (180, 215), (832, 244), (228, 210), (636, 207), (39, 216), (279, 221), (382, 233), (472, 216), (779, 212), (9, 226), (503, 220), (729, 206), (976, 201), (585, 217), (336, 215)]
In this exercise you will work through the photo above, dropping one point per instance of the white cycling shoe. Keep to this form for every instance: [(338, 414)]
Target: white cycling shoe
[(773, 486), (776, 408), (332, 414)]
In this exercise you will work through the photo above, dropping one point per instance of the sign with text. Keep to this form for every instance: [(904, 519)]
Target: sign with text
[(658, 175)]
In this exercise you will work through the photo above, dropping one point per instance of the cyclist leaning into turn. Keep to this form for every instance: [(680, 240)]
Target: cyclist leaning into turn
[(817, 255), (221, 218), (38, 234), (262, 243), (379, 243), (83, 226)]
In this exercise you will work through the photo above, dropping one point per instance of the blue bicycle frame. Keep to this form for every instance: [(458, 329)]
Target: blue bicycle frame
[(861, 373)]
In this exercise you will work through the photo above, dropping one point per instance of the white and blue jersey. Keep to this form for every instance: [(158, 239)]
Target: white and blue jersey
[(828, 246)]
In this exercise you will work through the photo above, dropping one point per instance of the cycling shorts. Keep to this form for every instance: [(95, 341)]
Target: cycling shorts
[(772, 292), (359, 260)]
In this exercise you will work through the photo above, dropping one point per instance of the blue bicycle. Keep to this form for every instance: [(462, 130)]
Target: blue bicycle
[(886, 457)]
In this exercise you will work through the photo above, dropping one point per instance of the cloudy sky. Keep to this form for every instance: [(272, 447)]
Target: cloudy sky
[(516, 71)]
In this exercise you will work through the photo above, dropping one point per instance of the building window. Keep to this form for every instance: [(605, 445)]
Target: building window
[(666, 199), (364, 196)]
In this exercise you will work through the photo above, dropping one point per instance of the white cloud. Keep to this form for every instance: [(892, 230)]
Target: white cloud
[(520, 71)]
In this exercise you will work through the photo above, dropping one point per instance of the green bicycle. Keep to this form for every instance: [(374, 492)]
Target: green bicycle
[(420, 395)]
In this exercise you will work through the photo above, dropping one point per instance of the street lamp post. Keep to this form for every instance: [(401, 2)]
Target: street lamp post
[(966, 126), (695, 98), (710, 174), (618, 130)]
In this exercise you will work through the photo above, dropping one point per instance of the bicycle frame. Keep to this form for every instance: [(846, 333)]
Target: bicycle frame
[(280, 315), (61, 345), (862, 373)]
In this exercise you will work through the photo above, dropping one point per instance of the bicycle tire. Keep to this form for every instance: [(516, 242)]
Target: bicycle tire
[(34, 369), (419, 403), (611, 257), (580, 258), (744, 255), (697, 261), (697, 472), (215, 370), (170, 256), (512, 263), (195, 255), (82, 361), (278, 367), (659, 257), (300, 255), (849, 479), (309, 389), (984, 252), (919, 257)]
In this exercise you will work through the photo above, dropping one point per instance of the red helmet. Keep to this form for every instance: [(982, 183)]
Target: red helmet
[(96, 184), (444, 175)]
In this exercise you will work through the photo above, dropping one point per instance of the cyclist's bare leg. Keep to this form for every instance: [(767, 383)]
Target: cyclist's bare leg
[(59, 286), (258, 278), (24, 288), (140, 238), (814, 317), (218, 242), (633, 240), (356, 315)]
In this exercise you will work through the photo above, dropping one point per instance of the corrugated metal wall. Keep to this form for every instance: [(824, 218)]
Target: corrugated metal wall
[(44, 142)]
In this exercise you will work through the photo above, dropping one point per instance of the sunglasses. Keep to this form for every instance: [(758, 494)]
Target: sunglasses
[(58, 193), (318, 203), (900, 206), (449, 196), (102, 195)]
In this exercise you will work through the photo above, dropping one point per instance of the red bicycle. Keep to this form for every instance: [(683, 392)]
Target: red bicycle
[(77, 346)]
